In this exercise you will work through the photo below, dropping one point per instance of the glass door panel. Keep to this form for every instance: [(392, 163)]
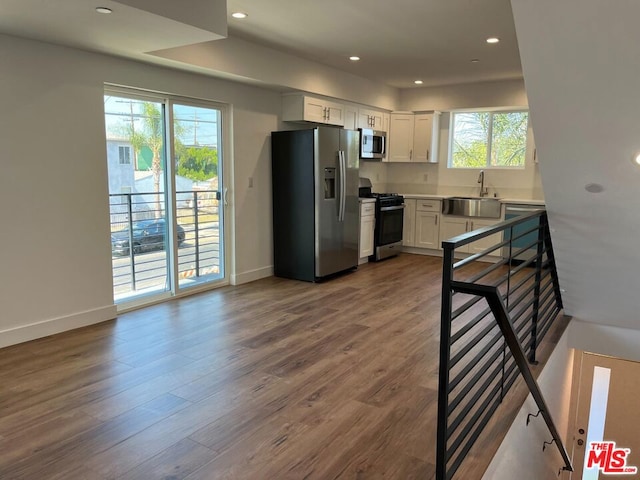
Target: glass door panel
[(135, 134), (198, 163)]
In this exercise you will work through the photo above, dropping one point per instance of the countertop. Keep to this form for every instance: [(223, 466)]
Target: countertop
[(519, 201)]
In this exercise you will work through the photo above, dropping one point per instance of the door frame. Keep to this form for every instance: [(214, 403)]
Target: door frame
[(226, 210)]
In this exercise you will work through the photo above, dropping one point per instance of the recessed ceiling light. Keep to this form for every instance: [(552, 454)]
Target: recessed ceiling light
[(594, 188), (354, 58), (493, 40), (418, 82), (239, 15), (475, 60), (636, 160), (103, 10)]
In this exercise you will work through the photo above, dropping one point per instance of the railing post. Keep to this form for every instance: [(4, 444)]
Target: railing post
[(544, 220), (197, 233), (131, 252), (445, 351), (536, 294)]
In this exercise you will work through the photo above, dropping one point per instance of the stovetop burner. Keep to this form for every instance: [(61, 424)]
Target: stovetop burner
[(388, 199)]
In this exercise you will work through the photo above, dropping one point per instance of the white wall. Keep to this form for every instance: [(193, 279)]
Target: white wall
[(605, 340), (520, 455), (54, 247), (243, 59), (409, 178)]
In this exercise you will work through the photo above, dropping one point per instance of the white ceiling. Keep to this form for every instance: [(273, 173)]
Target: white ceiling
[(398, 42)]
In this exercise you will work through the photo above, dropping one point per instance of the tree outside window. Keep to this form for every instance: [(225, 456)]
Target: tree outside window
[(488, 139)]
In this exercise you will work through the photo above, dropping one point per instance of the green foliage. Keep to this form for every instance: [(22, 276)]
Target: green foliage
[(196, 163), (472, 148)]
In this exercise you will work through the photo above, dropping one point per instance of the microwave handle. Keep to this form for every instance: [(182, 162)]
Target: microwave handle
[(384, 145)]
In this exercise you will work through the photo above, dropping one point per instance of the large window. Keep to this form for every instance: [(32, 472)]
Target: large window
[(488, 139)]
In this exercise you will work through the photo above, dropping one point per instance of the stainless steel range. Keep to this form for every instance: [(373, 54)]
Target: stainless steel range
[(389, 221)]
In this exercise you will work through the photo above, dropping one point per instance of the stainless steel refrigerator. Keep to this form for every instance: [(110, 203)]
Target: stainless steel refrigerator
[(315, 202)]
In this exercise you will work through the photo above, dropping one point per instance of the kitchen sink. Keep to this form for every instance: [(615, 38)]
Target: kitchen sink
[(472, 207)]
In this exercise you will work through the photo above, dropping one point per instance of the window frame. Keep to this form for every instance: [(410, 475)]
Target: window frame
[(124, 159), (491, 112)]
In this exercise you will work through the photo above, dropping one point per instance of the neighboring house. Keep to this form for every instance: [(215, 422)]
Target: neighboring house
[(126, 177)]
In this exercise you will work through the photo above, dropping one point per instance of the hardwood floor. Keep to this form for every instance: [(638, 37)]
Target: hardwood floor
[(276, 379)]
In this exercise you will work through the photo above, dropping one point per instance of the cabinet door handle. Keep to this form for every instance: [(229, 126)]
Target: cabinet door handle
[(436, 219), (410, 154), (471, 226), (427, 154), (466, 225)]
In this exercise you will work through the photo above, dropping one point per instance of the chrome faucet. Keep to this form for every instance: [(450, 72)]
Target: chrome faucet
[(484, 191)]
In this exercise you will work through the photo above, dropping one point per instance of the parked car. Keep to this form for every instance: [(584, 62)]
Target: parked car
[(147, 235)]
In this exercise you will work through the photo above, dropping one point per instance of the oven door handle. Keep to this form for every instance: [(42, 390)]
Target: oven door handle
[(389, 209)]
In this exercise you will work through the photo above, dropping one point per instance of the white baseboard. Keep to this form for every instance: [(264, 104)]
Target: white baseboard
[(24, 333), (251, 275)]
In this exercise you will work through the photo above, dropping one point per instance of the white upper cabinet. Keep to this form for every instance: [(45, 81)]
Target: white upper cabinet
[(400, 139), (304, 108), (373, 119), (414, 137), (350, 117), (422, 136)]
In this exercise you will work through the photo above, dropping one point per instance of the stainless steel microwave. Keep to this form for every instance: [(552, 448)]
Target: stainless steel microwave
[(373, 144)]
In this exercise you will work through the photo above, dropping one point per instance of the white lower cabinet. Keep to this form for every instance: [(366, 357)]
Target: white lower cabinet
[(409, 223), (454, 226), (367, 227), (427, 229), (421, 223)]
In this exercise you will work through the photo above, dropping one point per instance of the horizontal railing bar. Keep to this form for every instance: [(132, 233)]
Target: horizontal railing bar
[(471, 365), (469, 386), (548, 306), (491, 398), (511, 377), (464, 307), (524, 233), (486, 271), (470, 346), (463, 453), (543, 331), (522, 295), (543, 323), (482, 390), (461, 263), (472, 323), (471, 237)]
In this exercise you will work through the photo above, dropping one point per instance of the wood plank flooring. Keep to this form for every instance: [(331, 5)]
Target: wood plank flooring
[(276, 379)]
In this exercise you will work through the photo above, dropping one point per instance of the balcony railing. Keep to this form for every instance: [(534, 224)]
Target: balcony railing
[(139, 240), (497, 305)]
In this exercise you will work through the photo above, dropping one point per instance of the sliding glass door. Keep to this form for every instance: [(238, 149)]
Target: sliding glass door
[(197, 152), (165, 168)]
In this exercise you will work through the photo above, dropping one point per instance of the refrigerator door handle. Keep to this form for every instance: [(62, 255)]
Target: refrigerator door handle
[(343, 185)]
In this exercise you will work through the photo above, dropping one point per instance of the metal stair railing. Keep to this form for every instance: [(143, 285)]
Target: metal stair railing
[(494, 315)]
